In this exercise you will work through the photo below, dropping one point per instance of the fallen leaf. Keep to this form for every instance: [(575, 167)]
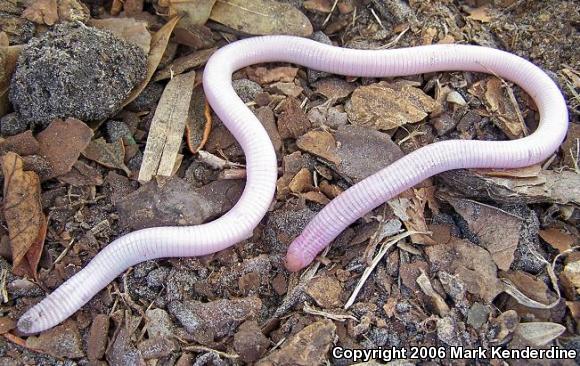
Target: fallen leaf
[(261, 17), (501, 241), (301, 182), (320, 143), (42, 12), (111, 155), (314, 196), (167, 127), (131, 30), (363, 151), (385, 106), (309, 346), (480, 14), (185, 63), (159, 43), (82, 174), (334, 88), (22, 207), (193, 12), (539, 333), (322, 6), (263, 75), (199, 121), (472, 264), (62, 142), (557, 239), (571, 273), (29, 266), (531, 286), (412, 212), (501, 103), (8, 58), (22, 144), (292, 121), (6, 324)]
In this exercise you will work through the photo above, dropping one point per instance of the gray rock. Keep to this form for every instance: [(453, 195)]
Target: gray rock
[(11, 125), (477, 315), (159, 323), (115, 130), (74, 71), (247, 89)]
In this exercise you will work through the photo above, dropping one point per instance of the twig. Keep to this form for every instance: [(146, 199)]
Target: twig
[(382, 251), (330, 14), (338, 317)]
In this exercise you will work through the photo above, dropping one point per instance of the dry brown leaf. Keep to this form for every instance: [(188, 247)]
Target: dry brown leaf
[(500, 102), (472, 264), (22, 207), (159, 43), (193, 12), (525, 172), (301, 182), (6, 324), (385, 106), (131, 30), (61, 144), (28, 266), (167, 127), (263, 75), (557, 239), (539, 333), (185, 63), (572, 275), (8, 58), (320, 143), (42, 12), (199, 121), (411, 212), (22, 144), (500, 240), (82, 174), (261, 17), (480, 14), (314, 196), (110, 155), (322, 6)]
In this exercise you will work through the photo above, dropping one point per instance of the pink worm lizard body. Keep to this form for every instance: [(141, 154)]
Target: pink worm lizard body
[(239, 222)]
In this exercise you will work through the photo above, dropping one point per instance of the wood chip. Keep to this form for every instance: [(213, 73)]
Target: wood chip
[(167, 127), (320, 143), (261, 17)]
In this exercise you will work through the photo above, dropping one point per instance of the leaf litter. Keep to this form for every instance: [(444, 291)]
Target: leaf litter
[(447, 278)]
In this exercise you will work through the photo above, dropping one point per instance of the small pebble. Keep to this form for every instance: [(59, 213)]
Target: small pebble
[(247, 89), (116, 130), (11, 125)]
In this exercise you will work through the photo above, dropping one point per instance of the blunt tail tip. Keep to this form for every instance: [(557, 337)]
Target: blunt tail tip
[(26, 324)]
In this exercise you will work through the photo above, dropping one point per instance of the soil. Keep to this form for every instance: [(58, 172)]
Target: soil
[(241, 306)]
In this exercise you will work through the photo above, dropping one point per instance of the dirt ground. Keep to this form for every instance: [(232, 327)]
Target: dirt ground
[(470, 258)]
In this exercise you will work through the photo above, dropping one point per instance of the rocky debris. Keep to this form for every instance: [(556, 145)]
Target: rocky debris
[(159, 323), (249, 341), (283, 225), (292, 122), (115, 130), (246, 89), (157, 347), (19, 30), (147, 99), (122, 352), (97, 339), (211, 321), (310, 346), (74, 71), (11, 125), (62, 341), (326, 291)]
